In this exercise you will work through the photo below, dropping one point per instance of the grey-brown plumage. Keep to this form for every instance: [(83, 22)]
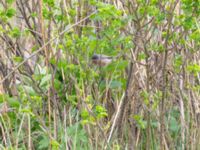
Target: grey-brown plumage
[(101, 60)]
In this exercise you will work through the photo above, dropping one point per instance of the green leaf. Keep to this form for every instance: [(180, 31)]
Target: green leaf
[(115, 84), (9, 1), (155, 124), (72, 99), (27, 111), (46, 13), (141, 56), (105, 12), (145, 95), (55, 145), (116, 66), (122, 64), (51, 3), (173, 124), (15, 32), (156, 99), (34, 14), (86, 117), (37, 99), (3, 97), (140, 122), (178, 61), (157, 47), (43, 143), (18, 59), (10, 12), (77, 133), (72, 12), (193, 68), (195, 35), (13, 102), (84, 114), (29, 90), (59, 17), (188, 23), (45, 80), (101, 112)]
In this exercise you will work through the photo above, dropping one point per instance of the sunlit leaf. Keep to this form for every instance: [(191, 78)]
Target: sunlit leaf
[(10, 12)]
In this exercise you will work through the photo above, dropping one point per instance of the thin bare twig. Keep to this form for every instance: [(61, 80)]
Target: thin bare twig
[(41, 49), (116, 117)]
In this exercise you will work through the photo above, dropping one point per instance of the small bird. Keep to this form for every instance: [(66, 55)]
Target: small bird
[(101, 60)]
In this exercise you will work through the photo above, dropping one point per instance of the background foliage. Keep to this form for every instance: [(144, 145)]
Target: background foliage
[(53, 97)]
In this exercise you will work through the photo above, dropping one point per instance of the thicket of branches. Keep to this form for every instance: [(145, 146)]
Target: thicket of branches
[(53, 97)]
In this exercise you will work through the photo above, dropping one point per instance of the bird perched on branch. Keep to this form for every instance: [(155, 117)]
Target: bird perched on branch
[(101, 60)]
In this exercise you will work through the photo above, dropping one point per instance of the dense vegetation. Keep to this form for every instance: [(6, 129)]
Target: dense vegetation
[(53, 97)]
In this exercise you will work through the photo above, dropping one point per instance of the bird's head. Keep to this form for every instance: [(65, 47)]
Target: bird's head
[(101, 60)]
